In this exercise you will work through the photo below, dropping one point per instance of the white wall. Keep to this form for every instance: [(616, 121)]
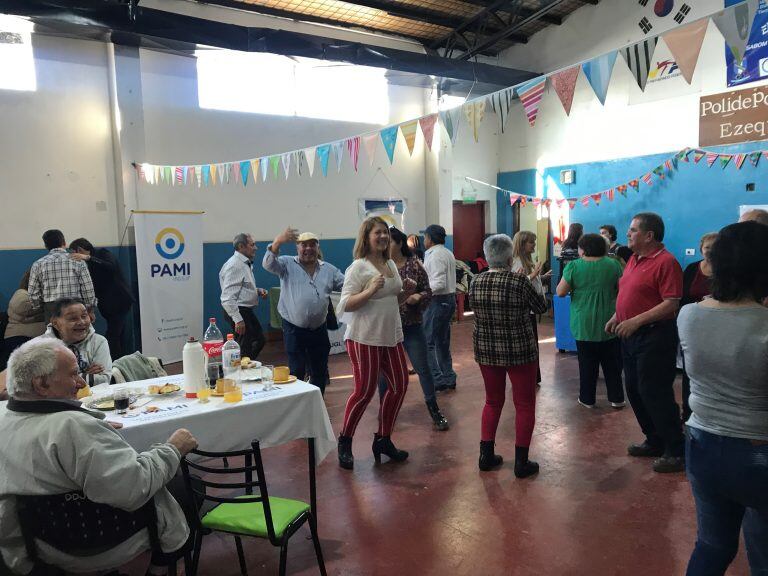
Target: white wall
[(55, 148), (478, 160), (56, 155), (631, 123), (178, 132), (594, 30)]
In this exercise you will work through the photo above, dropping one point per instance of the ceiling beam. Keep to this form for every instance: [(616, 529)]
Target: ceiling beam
[(408, 11), (279, 13), (505, 34), (400, 10), (522, 12), (469, 22), (160, 29)]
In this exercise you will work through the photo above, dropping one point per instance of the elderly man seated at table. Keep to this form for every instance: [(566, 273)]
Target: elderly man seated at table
[(54, 446), (71, 323)]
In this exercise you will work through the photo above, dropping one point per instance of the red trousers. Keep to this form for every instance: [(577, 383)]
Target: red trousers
[(523, 378), (368, 362)]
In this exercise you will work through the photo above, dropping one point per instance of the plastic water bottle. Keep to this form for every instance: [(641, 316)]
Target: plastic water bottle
[(230, 357), (213, 341)]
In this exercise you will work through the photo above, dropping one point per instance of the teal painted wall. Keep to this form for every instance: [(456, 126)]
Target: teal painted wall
[(15, 262), (338, 252), (692, 201)]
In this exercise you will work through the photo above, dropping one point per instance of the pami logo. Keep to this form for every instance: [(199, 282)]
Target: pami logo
[(169, 244)]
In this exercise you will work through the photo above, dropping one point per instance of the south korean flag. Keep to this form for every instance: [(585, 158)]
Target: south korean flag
[(657, 16)]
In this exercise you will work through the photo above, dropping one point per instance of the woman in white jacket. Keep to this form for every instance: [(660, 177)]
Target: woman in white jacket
[(71, 324)]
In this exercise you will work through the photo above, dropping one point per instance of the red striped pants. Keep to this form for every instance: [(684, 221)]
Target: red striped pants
[(368, 362)]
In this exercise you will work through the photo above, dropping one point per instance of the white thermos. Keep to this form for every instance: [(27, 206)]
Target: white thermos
[(193, 359)]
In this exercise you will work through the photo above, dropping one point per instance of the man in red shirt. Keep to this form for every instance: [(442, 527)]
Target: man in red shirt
[(649, 296)]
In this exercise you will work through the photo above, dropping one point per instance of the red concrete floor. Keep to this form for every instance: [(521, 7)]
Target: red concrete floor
[(592, 510)]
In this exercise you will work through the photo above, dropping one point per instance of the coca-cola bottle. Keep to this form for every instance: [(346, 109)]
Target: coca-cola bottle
[(213, 342)]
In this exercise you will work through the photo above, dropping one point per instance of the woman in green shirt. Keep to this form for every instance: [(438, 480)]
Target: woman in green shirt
[(593, 282)]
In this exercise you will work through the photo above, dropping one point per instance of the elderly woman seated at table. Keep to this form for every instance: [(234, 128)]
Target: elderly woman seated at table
[(71, 323), (505, 345), (89, 456)]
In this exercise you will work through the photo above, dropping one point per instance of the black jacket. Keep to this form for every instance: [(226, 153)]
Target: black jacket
[(112, 290)]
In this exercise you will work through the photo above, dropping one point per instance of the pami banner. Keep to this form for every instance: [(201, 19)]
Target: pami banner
[(169, 262), (731, 117)]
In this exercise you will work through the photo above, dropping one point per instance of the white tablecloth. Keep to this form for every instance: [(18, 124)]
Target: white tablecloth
[(289, 412)]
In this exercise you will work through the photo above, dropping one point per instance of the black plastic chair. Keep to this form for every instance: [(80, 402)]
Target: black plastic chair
[(80, 527), (249, 514)]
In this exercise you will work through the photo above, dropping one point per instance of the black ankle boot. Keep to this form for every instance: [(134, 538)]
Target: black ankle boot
[(346, 460), (383, 445), (488, 460), (438, 419), (523, 466)]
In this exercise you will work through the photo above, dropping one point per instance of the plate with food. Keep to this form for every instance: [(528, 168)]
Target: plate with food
[(248, 364), (106, 403), (163, 389)]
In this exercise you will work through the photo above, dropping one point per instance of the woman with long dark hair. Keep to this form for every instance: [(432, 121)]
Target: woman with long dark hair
[(414, 340), (371, 296), (725, 344), (570, 250)]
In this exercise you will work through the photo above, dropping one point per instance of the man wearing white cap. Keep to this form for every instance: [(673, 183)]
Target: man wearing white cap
[(306, 283)]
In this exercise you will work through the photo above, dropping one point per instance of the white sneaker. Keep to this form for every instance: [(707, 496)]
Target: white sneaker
[(590, 406), (618, 405)]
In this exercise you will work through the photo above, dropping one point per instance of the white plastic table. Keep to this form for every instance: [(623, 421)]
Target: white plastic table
[(288, 412)]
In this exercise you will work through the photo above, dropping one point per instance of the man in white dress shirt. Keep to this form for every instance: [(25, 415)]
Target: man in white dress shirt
[(441, 268), (239, 296)]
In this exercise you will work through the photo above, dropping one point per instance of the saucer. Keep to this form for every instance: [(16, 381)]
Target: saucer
[(291, 378)]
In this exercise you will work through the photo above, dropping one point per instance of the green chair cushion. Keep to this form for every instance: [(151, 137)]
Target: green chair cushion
[(248, 518)]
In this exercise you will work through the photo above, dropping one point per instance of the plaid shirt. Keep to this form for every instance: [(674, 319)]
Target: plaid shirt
[(502, 302), (56, 275)]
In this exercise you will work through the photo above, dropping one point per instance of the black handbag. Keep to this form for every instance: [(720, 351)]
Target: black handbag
[(330, 320)]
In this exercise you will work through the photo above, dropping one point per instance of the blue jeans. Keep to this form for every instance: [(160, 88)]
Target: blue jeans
[(307, 347), (437, 329), (415, 345), (728, 478)]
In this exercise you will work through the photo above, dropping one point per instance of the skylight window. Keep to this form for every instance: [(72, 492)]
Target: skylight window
[(270, 84), (17, 63)]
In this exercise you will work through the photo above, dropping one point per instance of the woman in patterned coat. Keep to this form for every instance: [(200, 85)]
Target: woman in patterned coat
[(505, 345)]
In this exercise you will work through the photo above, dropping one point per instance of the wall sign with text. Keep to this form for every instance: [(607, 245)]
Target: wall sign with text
[(731, 117)]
